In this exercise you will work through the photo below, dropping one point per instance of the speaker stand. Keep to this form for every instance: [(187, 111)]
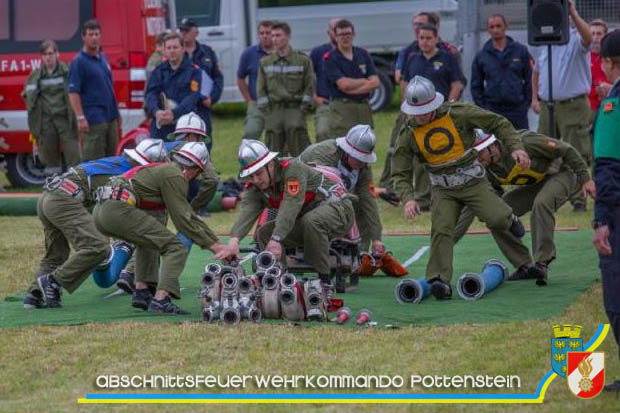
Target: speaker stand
[(550, 104)]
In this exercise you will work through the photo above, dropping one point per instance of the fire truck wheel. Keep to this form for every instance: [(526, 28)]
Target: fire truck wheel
[(23, 171)]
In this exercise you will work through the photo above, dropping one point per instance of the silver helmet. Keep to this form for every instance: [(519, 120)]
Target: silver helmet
[(148, 151), (190, 123), (421, 97), (253, 155), (192, 154), (359, 143), (483, 140)]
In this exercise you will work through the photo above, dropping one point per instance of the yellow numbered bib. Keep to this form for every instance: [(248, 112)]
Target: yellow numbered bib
[(438, 141), (519, 177)]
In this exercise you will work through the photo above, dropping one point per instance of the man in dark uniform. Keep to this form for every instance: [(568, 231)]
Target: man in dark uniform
[(212, 80), (351, 78), (321, 97), (606, 175), (501, 75), (179, 80)]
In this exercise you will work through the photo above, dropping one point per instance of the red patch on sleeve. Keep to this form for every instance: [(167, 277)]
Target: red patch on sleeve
[(608, 107), (293, 187)]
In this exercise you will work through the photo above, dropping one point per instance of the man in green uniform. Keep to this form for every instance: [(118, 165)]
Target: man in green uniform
[(189, 128), (541, 189), (50, 117), (158, 187), (284, 94), (441, 136), (311, 209), (351, 156), (62, 209)]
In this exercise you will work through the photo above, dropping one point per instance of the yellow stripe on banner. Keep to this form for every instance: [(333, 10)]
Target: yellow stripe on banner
[(600, 339)]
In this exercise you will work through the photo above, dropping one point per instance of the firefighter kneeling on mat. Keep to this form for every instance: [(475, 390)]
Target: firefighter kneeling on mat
[(351, 155), (441, 136), (311, 210), (63, 211), (130, 213)]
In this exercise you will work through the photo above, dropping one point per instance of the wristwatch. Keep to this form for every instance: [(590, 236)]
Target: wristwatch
[(276, 238), (81, 117), (598, 224)]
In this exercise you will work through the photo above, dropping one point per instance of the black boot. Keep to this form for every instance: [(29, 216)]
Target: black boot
[(524, 272), (141, 298), (615, 386), (516, 228), (539, 271), (51, 290), (440, 289)]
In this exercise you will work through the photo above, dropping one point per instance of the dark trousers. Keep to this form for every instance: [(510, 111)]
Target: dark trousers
[(610, 274), (518, 117)]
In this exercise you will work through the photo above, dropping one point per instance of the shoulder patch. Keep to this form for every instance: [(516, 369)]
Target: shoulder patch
[(551, 143), (292, 186), (285, 164), (193, 85), (326, 55)]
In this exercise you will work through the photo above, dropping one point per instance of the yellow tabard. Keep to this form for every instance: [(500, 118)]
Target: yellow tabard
[(519, 177), (438, 141)]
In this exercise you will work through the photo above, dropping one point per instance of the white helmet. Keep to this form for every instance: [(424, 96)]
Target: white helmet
[(421, 97), (253, 155), (190, 123), (148, 151), (192, 154), (359, 143), (483, 140)]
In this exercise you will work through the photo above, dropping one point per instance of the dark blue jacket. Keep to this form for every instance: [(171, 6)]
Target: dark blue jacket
[(607, 180), (205, 58), (502, 79), (181, 85)]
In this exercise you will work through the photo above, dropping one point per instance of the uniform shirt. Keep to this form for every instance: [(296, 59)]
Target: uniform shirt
[(181, 86), (547, 155), (248, 66), (91, 78), (502, 78), (52, 88), (567, 84), (317, 55), (164, 184), (466, 117), (288, 171), (607, 178), (414, 47), (366, 210), (441, 69), (338, 66), (285, 79), (205, 58), (598, 77)]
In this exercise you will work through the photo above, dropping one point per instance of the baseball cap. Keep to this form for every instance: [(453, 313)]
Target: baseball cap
[(187, 24)]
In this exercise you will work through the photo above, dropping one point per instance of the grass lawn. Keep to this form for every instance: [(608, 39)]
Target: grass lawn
[(48, 368)]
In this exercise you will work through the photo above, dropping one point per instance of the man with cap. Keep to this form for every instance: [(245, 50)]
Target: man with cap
[(606, 222), (125, 215), (441, 136), (190, 128), (555, 168), (63, 211), (212, 80), (352, 156), (173, 88), (311, 210), (285, 89)]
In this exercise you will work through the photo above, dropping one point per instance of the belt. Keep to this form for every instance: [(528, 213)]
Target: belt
[(569, 99), (67, 186), (289, 105), (349, 100), (460, 177)]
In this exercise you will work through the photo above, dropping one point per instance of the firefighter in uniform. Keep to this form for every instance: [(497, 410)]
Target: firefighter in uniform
[(351, 156), (189, 128), (310, 211), (125, 215), (62, 208), (284, 94), (555, 168), (441, 136), (606, 222), (50, 117)]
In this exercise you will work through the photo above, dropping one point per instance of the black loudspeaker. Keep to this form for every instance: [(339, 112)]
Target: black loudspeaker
[(547, 22)]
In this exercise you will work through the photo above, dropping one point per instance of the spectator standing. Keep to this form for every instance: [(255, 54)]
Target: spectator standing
[(91, 93), (600, 84), (50, 118), (248, 68), (284, 94), (158, 55), (606, 171), (321, 97), (173, 89), (501, 75), (351, 77), (572, 112), (204, 57)]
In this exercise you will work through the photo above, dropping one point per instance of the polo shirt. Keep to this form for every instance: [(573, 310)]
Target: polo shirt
[(248, 66), (338, 66), (317, 55), (441, 69)]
